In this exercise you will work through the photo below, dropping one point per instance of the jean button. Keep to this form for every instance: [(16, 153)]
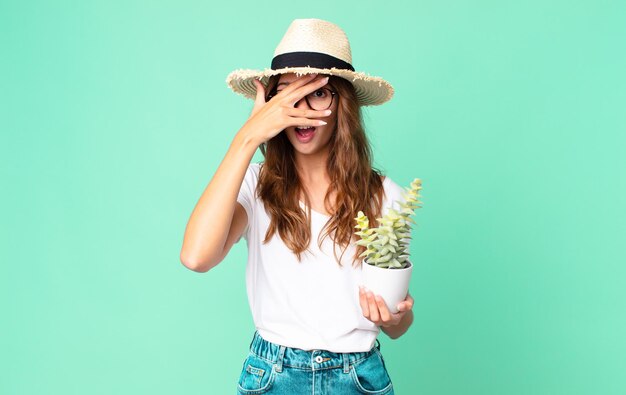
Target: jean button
[(319, 359)]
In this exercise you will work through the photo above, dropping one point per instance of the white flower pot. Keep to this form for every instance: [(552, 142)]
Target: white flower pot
[(391, 284)]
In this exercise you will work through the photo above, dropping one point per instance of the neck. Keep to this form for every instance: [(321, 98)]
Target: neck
[(312, 168)]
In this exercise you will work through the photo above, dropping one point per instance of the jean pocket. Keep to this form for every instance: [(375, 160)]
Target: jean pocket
[(257, 376), (370, 375)]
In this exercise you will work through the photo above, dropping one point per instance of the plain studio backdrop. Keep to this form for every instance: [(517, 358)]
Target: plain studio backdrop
[(115, 114)]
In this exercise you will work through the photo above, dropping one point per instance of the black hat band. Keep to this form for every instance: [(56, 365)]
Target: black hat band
[(311, 59)]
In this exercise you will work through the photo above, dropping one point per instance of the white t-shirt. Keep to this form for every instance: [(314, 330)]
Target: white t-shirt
[(312, 304)]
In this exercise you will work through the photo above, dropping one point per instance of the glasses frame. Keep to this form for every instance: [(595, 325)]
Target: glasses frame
[(306, 98)]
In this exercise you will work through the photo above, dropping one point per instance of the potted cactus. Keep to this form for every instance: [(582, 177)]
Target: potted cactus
[(386, 265)]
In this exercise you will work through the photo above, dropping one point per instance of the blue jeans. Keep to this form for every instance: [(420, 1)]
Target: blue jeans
[(270, 368)]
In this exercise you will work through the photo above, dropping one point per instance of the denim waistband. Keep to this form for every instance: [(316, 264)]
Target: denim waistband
[(307, 360)]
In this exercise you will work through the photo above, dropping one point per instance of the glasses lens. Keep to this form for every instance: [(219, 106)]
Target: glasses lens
[(320, 99)]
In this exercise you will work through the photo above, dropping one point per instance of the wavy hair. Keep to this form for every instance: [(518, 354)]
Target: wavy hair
[(357, 185)]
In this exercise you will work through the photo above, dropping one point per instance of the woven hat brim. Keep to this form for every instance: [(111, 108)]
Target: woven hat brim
[(370, 90)]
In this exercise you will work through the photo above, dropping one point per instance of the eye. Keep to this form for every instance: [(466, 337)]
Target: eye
[(320, 93)]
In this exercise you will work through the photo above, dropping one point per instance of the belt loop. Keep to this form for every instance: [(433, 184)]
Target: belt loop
[(279, 362), (346, 362)]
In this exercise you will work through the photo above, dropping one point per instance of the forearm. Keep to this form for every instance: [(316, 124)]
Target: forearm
[(398, 330), (209, 223)]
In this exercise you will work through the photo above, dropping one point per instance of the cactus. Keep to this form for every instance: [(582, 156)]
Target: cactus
[(387, 245)]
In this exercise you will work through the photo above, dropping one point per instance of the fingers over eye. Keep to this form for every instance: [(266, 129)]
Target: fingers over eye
[(305, 89), (298, 82)]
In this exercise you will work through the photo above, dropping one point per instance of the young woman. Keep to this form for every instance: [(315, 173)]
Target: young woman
[(316, 330)]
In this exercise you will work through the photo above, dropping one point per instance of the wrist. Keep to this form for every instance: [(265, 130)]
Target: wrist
[(247, 139)]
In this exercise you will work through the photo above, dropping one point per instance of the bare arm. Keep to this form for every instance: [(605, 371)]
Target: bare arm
[(209, 226), (218, 220)]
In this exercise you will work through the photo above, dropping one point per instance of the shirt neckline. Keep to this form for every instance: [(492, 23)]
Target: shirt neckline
[(313, 211)]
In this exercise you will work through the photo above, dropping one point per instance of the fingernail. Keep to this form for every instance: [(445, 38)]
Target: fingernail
[(327, 112), (325, 79), (322, 123)]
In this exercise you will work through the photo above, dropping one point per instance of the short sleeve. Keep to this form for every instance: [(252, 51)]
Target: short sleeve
[(394, 194), (247, 197)]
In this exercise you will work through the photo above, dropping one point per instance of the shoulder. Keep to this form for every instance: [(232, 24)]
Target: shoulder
[(251, 177), (253, 170), (393, 191)]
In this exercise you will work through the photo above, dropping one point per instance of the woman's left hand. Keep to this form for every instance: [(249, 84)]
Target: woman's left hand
[(375, 309)]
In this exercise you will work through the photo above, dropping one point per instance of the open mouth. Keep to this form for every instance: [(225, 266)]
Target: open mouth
[(305, 129), (305, 133)]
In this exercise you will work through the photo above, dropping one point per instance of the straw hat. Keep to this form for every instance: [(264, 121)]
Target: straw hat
[(314, 46)]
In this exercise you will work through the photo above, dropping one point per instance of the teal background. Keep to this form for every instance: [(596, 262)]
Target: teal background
[(115, 114)]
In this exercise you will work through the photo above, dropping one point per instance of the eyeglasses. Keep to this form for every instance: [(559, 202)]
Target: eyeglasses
[(321, 99)]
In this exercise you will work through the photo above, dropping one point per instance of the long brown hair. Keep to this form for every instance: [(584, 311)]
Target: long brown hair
[(358, 186)]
